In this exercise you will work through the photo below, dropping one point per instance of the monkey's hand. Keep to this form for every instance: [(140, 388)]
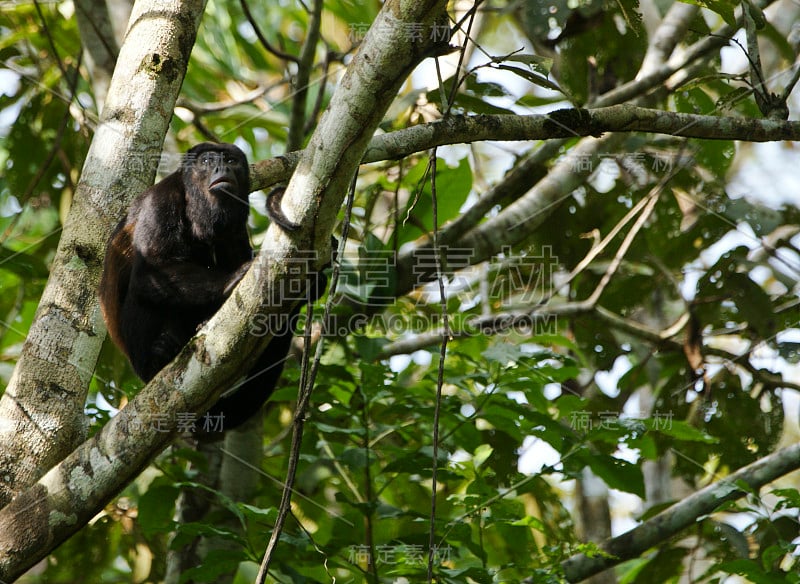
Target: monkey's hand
[(319, 280), (236, 278)]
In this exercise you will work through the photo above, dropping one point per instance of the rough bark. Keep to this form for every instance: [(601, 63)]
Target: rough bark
[(568, 123)]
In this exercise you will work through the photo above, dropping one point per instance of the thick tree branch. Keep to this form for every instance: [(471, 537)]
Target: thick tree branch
[(517, 220), (102, 28), (672, 29), (566, 123), (571, 123), (653, 75)]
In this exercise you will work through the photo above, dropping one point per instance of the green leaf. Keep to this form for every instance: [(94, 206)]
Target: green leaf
[(663, 566), (453, 186), (533, 77), (790, 498), (156, 509), (215, 564), (753, 303), (616, 473), (680, 430), (539, 63), (630, 11), (722, 7)]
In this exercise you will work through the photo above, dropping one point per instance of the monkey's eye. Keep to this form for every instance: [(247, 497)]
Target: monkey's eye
[(231, 161)]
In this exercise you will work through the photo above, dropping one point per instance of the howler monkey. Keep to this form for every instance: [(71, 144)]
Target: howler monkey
[(176, 257)]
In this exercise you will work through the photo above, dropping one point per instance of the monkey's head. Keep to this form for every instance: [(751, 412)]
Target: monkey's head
[(219, 171)]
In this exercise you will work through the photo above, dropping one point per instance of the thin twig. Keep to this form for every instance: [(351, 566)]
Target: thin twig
[(651, 199), (262, 39), (445, 316), (440, 374), (312, 117), (598, 248), (294, 456)]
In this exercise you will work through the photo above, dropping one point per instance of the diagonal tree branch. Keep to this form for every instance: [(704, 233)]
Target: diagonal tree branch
[(683, 514)]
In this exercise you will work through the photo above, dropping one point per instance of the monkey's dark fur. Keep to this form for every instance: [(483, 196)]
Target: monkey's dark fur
[(176, 257)]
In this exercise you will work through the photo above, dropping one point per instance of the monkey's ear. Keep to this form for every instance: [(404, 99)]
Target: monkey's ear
[(275, 211)]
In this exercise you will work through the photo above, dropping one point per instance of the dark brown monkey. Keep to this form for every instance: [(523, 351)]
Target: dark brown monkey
[(175, 258)]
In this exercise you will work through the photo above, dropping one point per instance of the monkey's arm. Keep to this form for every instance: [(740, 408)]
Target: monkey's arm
[(169, 267), (182, 283)]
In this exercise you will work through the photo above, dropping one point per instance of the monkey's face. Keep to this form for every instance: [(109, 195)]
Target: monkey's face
[(220, 170)]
